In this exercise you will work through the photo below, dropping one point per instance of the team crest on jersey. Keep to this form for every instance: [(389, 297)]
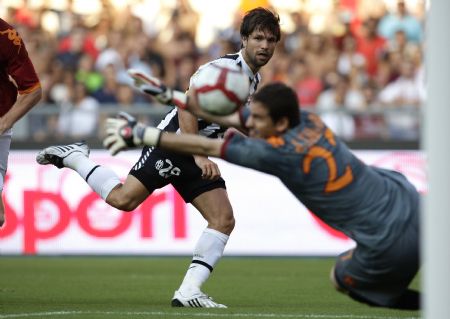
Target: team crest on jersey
[(166, 169), (13, 36)]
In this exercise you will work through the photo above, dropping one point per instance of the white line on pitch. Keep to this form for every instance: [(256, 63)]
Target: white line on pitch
[(189, 314)]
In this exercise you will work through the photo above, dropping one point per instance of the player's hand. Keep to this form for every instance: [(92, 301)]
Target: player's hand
[(154, 87), (4, 126), (210, 170), (123, 132)]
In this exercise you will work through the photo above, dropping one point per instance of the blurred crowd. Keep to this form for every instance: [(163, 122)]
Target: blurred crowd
[(363, 71)]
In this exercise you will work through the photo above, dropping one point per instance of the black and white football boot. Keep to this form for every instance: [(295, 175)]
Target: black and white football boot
[(198, 300), (56, 154)]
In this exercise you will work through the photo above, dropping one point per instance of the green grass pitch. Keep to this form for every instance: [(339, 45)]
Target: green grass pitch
[(142, 287)]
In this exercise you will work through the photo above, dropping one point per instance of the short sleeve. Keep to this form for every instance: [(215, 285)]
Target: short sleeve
[(17, 62), (22, 71)]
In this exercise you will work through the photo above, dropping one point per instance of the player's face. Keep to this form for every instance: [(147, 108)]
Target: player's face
[(258, 49), (259, 123)]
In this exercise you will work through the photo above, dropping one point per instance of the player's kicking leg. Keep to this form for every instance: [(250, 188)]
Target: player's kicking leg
[(102, 180), (216, 209)]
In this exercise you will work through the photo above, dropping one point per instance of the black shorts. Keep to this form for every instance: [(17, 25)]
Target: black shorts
[(381, 279), (157, 168)]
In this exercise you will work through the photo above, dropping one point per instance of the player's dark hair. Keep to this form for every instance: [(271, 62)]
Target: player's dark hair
[(260, 19), (281, 101)]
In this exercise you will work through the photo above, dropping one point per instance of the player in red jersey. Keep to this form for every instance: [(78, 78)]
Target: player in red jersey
[(20, 91)]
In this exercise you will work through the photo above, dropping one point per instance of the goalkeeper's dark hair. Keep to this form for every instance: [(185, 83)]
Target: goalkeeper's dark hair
[(281, 101), (260, 19)]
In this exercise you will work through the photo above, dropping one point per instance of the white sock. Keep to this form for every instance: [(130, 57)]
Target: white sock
[(101, 179), (207, 252)]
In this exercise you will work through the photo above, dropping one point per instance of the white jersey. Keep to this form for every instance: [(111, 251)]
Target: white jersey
[(170, 122)]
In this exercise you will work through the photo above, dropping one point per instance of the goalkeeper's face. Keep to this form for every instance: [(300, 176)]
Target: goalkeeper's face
[(258, 48), (259, 124)]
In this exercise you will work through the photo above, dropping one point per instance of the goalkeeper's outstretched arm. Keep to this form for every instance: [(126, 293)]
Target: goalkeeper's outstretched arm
[(191, 144), (124, 132)]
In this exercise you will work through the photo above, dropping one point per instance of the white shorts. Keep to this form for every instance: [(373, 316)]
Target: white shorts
[(5, 143)]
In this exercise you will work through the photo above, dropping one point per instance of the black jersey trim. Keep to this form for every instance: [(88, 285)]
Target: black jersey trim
[(257, 82), (230, 56)]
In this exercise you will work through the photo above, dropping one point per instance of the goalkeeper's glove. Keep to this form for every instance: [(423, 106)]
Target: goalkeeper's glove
[(154, 87), (124, 132)]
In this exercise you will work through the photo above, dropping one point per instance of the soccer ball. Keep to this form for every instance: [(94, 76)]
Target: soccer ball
[(220, 90)]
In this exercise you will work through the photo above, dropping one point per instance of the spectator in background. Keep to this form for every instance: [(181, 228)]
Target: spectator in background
[(184, 19), (79, 115), (136, 57), (335, 104), (400, 20), (185, 68), (107, 93), (125, 96), (65, 80), (86, 74), (229, 39), (340, 94), (111, 55), (385, 73), (370, 93), (370, 124), (403, 96), (370, 45), (415, 54), (398, 43), (295, 41), (222, 46), (72, 47), (280, 65), (349, 57), (320, 55), (155, 59), (404, 90), (181, 46), (307, 86)]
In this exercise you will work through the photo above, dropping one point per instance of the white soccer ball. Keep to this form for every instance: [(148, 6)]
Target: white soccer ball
[(220, 90)]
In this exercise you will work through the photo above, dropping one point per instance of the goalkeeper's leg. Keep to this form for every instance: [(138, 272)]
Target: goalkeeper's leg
[(383, 283)]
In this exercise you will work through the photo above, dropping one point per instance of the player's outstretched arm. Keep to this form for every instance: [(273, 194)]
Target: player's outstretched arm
[(124, 133), (154, 87)]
